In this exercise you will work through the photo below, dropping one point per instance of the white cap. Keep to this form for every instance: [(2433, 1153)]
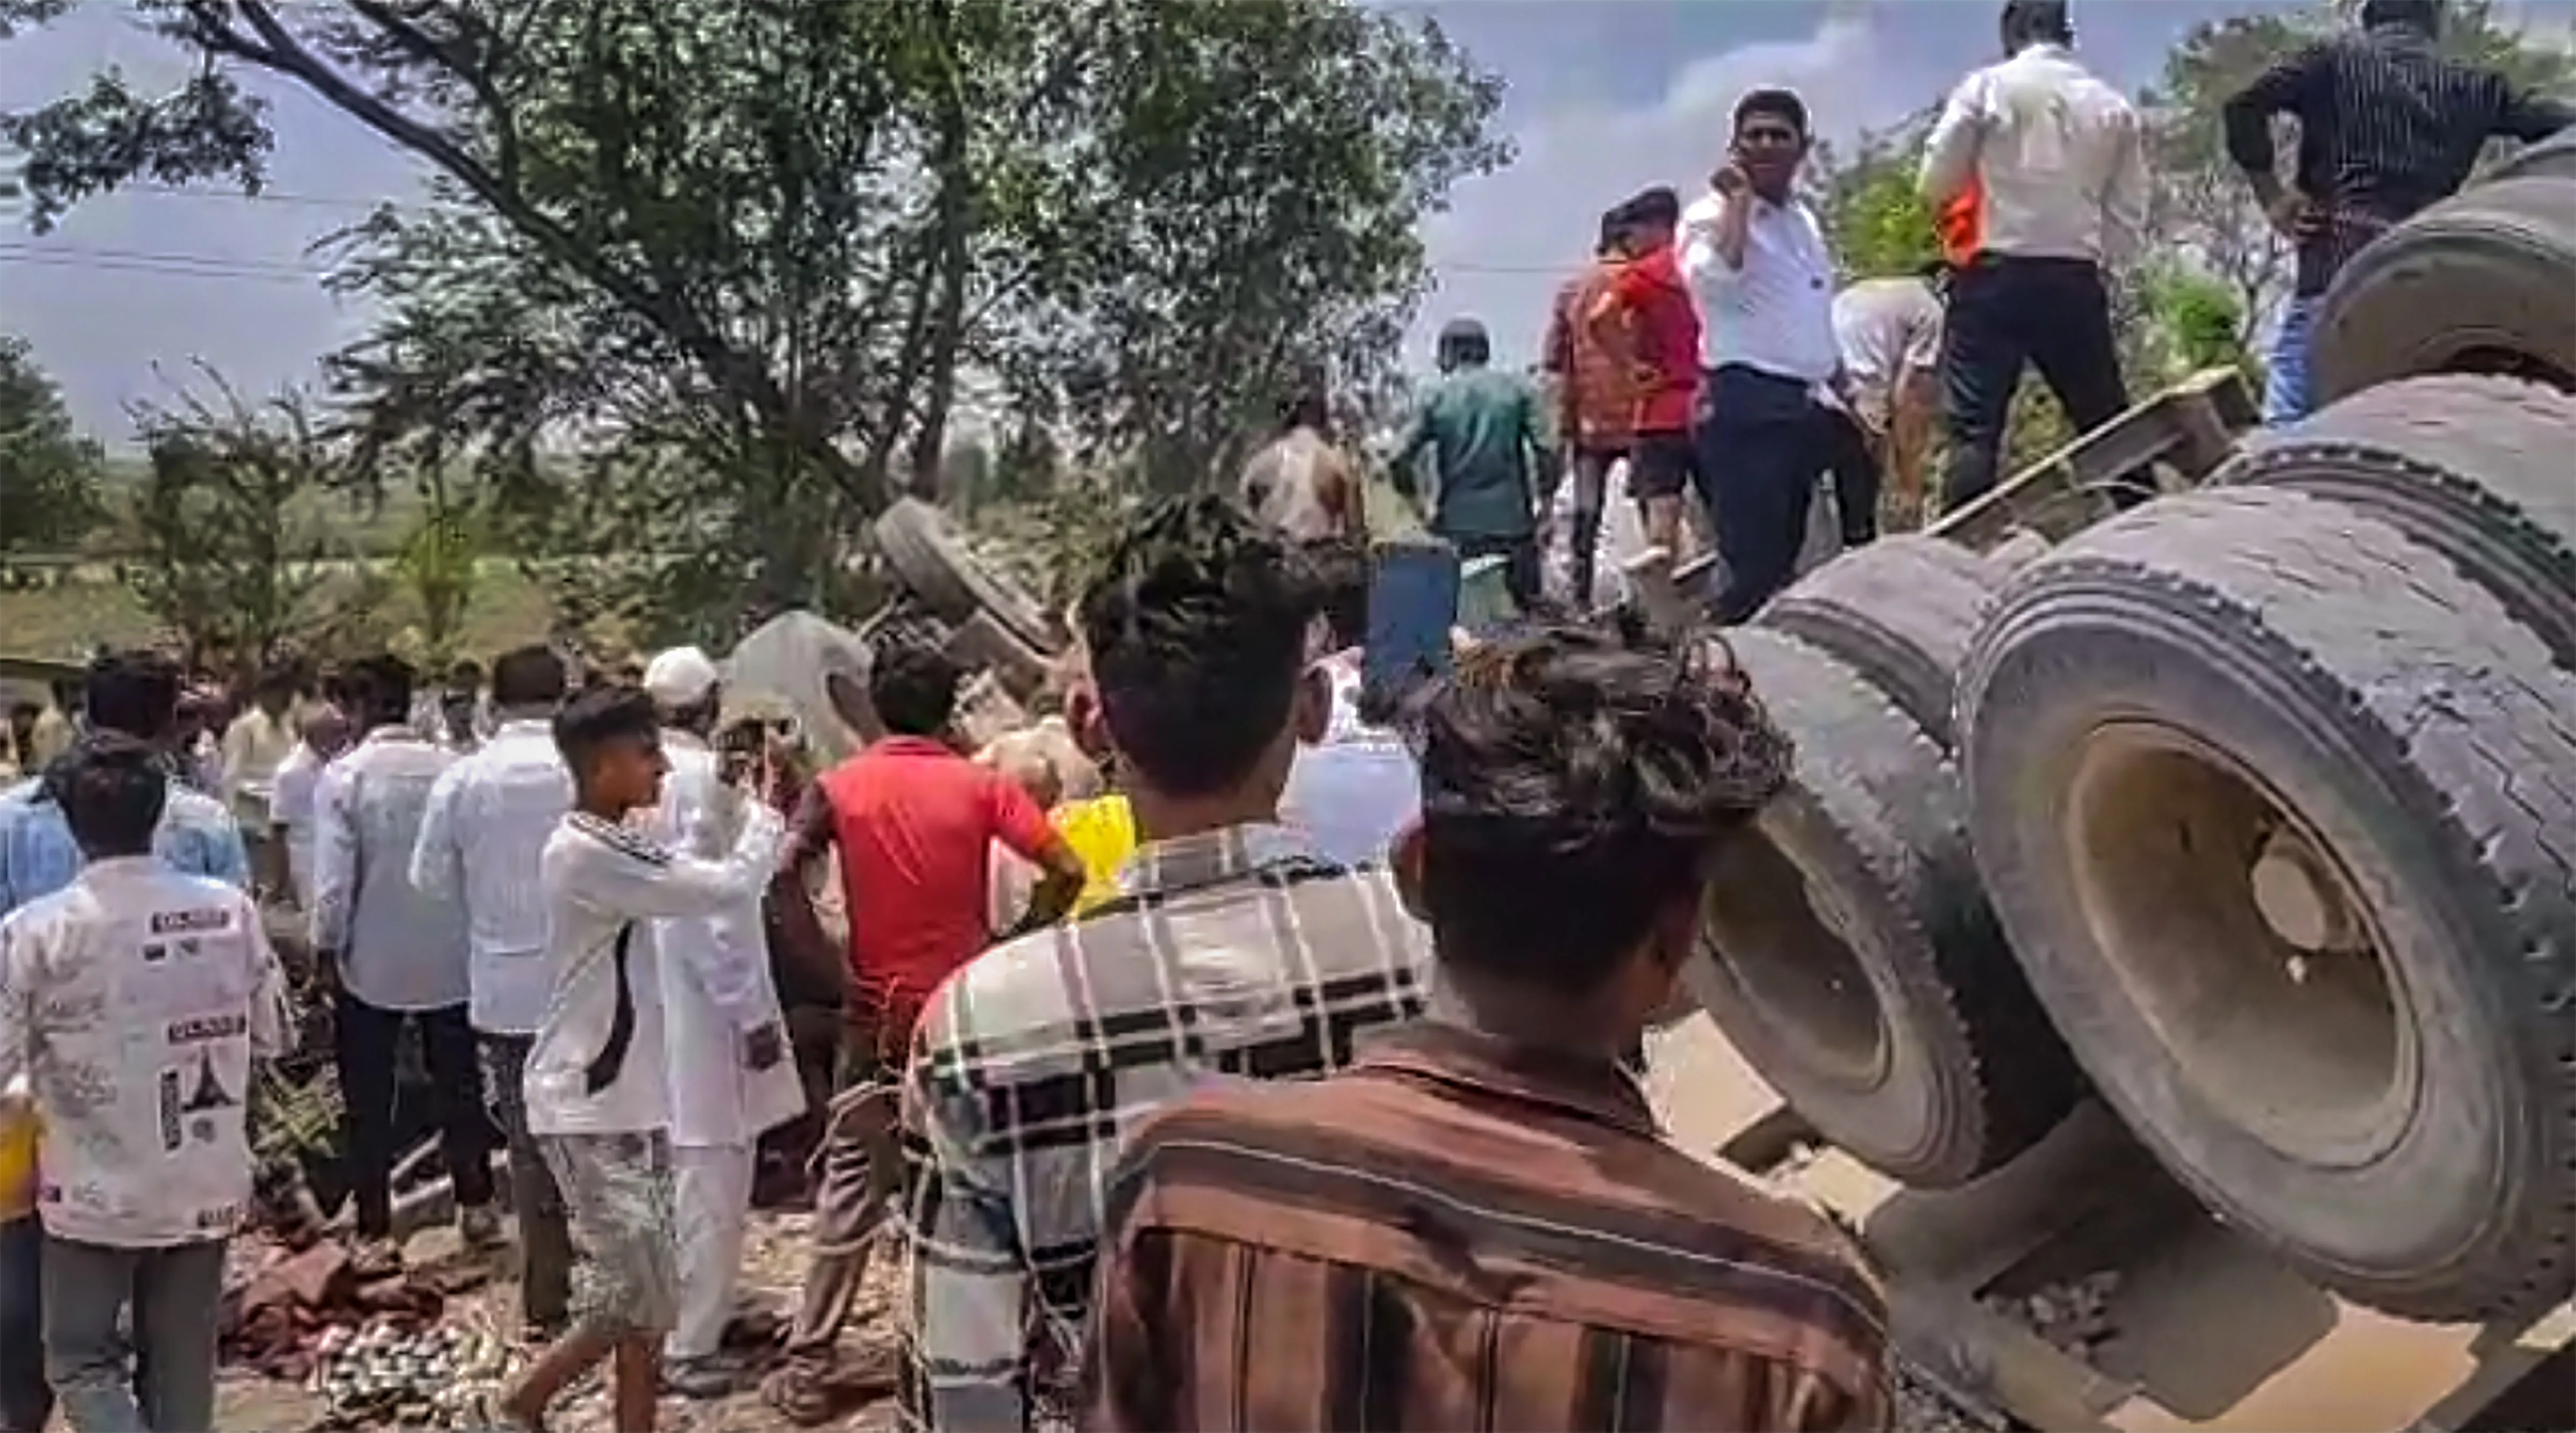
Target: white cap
[(680, 677)]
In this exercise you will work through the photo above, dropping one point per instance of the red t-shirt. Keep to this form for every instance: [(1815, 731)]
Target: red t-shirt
[(915, 823), (1663, 324)]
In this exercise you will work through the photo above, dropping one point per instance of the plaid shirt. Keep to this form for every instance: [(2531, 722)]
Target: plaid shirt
[(1235, 954), (1461, 1232)]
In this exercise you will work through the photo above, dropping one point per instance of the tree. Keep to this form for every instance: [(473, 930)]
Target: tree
[(49, 498), (2203, 210), (775, 234), (1871, 204), (233, 550)]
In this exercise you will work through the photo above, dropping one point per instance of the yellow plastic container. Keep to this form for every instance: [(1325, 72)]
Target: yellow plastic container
[(19, 1128)]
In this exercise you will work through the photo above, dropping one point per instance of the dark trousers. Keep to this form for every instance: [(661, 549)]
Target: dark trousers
[(26, 1398), (1760, 451), (545, 1234), (1591, 474), (2005, 313), (1520, 563), (1852, 462), (368, 1039)]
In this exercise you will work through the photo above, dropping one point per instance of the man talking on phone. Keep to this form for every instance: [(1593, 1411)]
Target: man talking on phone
[(1757, 259)]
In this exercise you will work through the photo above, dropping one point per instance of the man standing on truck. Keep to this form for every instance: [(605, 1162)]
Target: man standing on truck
[(2388, 125), (1481, 426), (1757, 258), (1596, 403), (1649, 310), (2055, 159)]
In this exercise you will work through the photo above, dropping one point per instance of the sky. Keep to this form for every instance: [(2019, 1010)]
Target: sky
[(1604, 97)]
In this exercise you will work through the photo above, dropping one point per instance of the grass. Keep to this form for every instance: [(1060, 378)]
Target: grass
[(65, 622)]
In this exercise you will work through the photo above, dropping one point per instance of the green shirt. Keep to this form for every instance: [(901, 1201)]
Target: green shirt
[(1481, 427)]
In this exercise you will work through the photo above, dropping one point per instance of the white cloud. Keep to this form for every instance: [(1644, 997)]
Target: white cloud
[(1512, 237)]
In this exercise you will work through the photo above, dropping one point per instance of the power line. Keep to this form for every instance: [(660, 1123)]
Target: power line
[(151, 256), (264, 196)]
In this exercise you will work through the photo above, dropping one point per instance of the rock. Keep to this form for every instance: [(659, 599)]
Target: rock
[(318, 1277)]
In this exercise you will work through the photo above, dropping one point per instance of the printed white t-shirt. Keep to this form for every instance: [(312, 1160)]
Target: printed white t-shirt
[(135, 1000)]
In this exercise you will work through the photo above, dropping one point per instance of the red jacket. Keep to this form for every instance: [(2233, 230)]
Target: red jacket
[(1663, 330)]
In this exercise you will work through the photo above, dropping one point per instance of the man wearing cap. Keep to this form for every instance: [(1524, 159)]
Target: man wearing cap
[(727, 1068), (1481, 426)]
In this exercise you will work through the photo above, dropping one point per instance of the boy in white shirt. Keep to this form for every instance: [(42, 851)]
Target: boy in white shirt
[(134, 1000), (596, 1095)]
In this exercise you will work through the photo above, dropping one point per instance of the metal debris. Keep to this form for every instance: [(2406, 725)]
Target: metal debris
[(383, 1376), (2072, 1315)]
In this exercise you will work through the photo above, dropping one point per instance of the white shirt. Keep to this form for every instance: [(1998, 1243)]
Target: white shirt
[(488, 822), (716, 984), (601, 880), (290, 806), (1352, 796), (2057, 153), (1887, 328), (253, 747), (134, 1000), (401, 948), (1775, 314)]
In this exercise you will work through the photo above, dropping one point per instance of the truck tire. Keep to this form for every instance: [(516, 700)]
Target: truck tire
[(1900, 611), (2473, 468), (922, 547), (2554, 158), (1849, 954), (2475, 284), (2230, 671)]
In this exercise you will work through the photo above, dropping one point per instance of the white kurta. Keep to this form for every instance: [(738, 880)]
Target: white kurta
[(716, 985)]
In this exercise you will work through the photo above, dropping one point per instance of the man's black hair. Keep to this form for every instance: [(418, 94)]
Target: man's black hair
[(135, 692), (111, 787), (380, 690), (2422, 16), (2037, 22), (1464, 340), (1614, 231), (531, 676), (466, 675), (1659, 206), (914, 688), (1339, 568), (1779, 104), (1576, 780), (1196, 628), (600, 716)]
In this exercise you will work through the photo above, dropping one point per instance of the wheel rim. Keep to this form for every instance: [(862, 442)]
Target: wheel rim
[(2240, 939), (1786, 951)]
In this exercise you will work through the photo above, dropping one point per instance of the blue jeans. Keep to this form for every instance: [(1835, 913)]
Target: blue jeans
[(2286, 395)]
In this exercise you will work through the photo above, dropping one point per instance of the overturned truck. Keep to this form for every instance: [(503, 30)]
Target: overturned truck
[(2174, 912)]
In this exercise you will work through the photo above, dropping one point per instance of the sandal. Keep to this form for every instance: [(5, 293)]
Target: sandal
[(801, 1395)]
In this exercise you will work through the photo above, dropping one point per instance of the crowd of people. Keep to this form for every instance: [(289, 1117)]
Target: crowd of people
[(586, 905), (1706, 363), (1223, 1051)]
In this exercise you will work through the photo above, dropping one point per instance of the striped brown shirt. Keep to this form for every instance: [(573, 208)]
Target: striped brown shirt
[(1456, 1234)]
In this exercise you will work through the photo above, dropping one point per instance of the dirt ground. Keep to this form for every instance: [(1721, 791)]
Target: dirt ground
[(773, 1272)]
